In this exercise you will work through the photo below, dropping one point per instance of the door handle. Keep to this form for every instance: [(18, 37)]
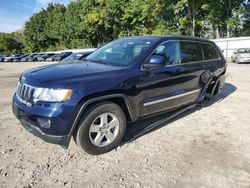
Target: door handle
[(207, 66)]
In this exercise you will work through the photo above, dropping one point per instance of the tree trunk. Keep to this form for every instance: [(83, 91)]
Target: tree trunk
[(228, 31), (192, 15), (193, 27), (229, 14), (217, 32), (193, 19), (128, 33)]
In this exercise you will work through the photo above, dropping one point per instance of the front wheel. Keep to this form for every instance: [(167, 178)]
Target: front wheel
[(101, 129)]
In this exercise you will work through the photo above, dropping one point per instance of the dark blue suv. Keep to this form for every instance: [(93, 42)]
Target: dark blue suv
[(123, 81)]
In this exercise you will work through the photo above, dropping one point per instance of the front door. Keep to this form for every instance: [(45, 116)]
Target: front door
[(177, 83)]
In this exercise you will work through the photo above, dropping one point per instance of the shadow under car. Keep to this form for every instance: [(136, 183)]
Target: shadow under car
[(148, 125)]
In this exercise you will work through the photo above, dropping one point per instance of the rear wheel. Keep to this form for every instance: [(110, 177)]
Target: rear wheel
[(101, 129)]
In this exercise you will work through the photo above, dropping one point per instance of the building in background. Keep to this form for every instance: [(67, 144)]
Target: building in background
[(228, 45)]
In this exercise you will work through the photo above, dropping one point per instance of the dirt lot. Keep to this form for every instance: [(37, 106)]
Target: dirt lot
[(204, 147)]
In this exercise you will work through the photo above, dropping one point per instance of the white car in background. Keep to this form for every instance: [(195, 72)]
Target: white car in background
[(241, 55)]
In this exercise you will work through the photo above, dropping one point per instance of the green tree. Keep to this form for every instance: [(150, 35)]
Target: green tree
[(91, 23), (10, 44), (146, 17), (35, 33), (44, 30), (189, 17), (245, 30), (215, 17), (73, 36), (54, 23)]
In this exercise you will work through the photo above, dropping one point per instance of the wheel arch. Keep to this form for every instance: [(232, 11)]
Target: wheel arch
[(119, 99), (213, 85)]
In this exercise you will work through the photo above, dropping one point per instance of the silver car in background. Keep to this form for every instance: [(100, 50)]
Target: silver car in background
[(241, 55)]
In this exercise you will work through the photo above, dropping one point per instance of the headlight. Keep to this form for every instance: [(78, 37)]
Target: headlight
[(52, 95)]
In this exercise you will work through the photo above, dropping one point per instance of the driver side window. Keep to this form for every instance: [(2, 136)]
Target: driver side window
[(170, 51)]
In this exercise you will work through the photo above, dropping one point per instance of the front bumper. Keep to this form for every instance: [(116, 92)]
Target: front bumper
[(53, 139), (62, 140), (247, 60), (49, 124)]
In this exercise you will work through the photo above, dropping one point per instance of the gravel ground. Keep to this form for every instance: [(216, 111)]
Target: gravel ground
[(204, 147)]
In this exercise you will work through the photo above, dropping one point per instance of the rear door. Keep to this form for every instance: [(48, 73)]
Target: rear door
[(175, 84)]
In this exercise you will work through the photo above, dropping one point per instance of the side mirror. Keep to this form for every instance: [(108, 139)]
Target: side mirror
[(155, 61)]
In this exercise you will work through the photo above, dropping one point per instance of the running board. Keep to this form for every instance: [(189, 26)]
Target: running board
[(149, 128)]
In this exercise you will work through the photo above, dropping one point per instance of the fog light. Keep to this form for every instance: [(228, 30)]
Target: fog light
[(44, 122)]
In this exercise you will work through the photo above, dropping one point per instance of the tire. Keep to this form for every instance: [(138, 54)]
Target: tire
[(93, 121)]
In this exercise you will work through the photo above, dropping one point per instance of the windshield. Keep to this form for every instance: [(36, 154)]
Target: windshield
[(120, 52), (244, 50)]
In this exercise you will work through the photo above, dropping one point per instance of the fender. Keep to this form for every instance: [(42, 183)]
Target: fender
[(90, 101), (204, 89)]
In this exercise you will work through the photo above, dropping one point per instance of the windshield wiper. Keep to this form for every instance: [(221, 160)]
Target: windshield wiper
[(97, 61)]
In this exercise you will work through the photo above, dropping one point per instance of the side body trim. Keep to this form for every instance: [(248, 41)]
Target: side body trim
[(172, 97)]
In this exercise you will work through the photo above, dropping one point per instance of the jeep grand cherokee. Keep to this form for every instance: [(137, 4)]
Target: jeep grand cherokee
[(125, 80)]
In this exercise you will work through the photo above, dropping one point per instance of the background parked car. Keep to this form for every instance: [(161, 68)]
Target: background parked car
[(33, 57), (51, 58), (23, 59), (38, 57), (2, 58), (7, 57), (62, 55), (241, 55), (77, 56), (17, 58), (42, 57), (11, 57)]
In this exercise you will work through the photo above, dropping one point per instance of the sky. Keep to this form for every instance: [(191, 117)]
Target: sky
[(14, 13)]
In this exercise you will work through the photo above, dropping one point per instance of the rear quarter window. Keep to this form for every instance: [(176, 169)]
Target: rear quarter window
[(210, 52), (190, 52)]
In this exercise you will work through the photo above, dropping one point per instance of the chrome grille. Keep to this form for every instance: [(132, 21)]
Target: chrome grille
[(25, 93)]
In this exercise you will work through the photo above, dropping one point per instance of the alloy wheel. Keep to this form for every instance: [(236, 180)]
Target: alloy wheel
[(104, 129)]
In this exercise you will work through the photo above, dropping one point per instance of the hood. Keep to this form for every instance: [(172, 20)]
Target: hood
[(67, 73)]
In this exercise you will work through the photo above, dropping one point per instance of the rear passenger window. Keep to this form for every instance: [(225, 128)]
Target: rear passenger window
[(209, 52), (170, 51), (190, 52)]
